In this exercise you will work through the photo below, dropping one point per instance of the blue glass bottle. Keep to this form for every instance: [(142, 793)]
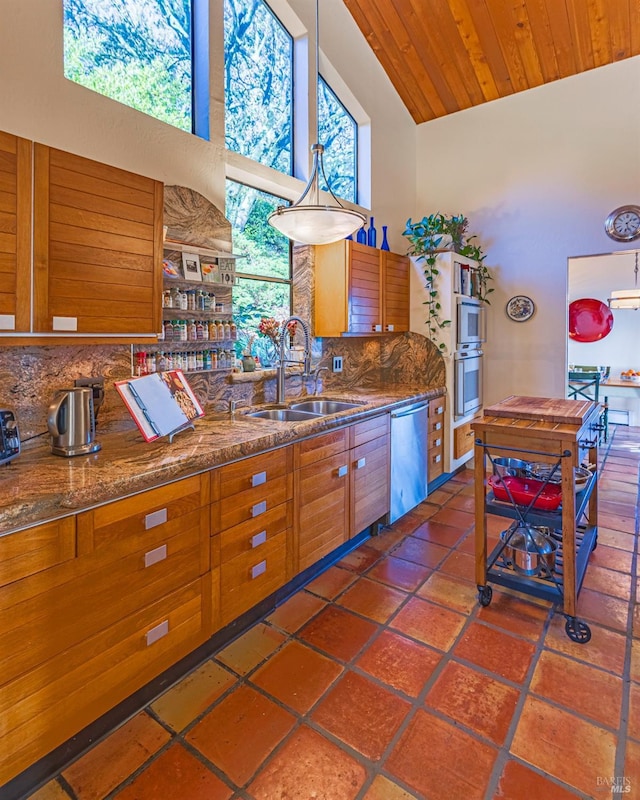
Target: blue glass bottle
[(371, 234), (385, 243), (361, 236)]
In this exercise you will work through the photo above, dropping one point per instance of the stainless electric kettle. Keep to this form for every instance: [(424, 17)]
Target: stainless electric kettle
[(72, 422)]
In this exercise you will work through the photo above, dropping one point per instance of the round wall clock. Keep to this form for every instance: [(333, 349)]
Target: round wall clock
[(520, 308), (623, 224)]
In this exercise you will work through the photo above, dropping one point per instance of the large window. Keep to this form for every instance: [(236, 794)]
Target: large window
[(135, 51), (337, 131), (258, 55), (264, 276)]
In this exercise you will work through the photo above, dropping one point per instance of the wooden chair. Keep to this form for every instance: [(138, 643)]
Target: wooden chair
[(585, 384)]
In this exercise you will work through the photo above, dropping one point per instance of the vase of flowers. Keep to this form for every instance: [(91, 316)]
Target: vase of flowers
[(272, 329)]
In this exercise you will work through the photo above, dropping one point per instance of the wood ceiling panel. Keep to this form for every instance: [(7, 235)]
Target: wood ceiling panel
[(446, 55)]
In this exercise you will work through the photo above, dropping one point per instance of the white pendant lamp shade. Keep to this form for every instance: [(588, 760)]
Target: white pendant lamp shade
[(627, 298), (313, 223)]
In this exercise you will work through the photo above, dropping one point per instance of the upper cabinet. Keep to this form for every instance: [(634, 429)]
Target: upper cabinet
[(97, 248), (93, 234), (15, 232), (360, 290)]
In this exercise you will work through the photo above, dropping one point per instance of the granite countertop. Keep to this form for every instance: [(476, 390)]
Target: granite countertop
[(39, 486)]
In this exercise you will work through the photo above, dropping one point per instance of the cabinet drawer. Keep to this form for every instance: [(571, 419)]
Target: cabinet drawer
[(253, 472), (41, 624), (251, 536), (154, 509), (45, 707), (252, 503), (318, 447), (436, 408), (462, 440), (436, 441), (436, 466), (369, 429), (34, 549), (252, 576)]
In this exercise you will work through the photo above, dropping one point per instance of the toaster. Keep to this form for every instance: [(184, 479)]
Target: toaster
[(9, 436)]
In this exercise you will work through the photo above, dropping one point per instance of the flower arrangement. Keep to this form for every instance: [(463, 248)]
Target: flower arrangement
[(272, 329)]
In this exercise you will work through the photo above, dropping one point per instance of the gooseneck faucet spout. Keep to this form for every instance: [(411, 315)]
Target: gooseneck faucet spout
[(280, 388)]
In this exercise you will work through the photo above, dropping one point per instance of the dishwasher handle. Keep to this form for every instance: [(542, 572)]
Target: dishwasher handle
[(409, 411)]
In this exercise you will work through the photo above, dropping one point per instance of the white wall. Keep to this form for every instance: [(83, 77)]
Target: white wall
[(537, 174), (38, 103)]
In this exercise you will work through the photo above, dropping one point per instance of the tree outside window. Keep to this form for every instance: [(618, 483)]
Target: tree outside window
[(137, 52), (337, 131), (264, 276), (258, 84)]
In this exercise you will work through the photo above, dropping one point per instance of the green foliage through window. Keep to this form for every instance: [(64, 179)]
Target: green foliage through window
[(264, 285), (258, 56), (135, 51), (337, 131)]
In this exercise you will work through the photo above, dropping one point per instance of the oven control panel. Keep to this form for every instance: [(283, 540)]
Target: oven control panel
[(9, 436)]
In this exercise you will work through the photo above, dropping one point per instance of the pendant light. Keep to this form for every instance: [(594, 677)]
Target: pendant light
[(627, 298), (312, 222)]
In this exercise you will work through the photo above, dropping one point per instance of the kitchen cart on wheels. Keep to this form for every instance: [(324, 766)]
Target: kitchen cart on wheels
[(554, 440)]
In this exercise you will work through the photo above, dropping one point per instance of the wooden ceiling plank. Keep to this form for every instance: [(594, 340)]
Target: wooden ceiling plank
[(473, 46), (600, 34), (429, 66), (634, 26), (438, 24), (580, 34), (491, 46), (562, 37), (542, 36), (620, 28), (526, 43), (505, 30), (391, 65)]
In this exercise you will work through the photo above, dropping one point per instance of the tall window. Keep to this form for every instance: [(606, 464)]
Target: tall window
[(264, 276), (337, 131), (258, 55), (135, 51)]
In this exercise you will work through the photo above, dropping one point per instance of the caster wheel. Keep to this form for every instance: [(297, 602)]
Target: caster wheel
[(577, 631), (485, 593)]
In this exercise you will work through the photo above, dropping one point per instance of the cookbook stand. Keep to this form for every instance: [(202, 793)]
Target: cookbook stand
[(559, 442)]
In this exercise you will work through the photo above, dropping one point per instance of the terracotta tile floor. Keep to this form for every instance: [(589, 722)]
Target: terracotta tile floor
[(383, 679)]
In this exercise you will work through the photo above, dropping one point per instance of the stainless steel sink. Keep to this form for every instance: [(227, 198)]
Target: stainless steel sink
[(324, 407), (284, 414)]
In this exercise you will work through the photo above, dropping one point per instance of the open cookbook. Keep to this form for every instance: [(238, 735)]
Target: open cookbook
[(161, 403)]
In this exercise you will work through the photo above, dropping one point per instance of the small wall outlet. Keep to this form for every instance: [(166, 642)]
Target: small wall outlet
[(337, 364)]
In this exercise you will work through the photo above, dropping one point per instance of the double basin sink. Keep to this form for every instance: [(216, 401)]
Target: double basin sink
[(304, 410)]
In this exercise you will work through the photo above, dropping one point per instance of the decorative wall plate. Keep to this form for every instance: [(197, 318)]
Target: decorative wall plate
[(589, 320), (520, 308)]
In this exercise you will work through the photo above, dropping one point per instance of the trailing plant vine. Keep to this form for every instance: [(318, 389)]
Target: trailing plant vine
[(434, 234)]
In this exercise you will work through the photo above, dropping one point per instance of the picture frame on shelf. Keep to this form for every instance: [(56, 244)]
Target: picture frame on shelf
[(209, 269), (191, 270)]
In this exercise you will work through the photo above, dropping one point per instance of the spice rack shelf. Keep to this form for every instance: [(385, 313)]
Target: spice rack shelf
[(560, 433)]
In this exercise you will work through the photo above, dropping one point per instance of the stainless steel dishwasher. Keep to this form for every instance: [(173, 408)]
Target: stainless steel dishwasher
[(408, 459)]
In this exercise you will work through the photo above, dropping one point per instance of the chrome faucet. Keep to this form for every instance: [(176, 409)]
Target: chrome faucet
[(317, 379), (280, 372)]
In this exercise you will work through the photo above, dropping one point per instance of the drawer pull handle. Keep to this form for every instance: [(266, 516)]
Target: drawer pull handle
[(439, 410), (438, 442), (155, 518), (158, 632), (259, 508), (437, 426), (342, 471), (259, 569), (437, 459), (361, 462), (259, 478), (258, 539), (153, 556)]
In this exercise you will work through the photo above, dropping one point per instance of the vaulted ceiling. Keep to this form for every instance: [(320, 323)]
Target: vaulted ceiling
[(446, 55)]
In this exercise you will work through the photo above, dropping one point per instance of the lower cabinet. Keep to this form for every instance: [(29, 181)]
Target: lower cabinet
[(436, 437)]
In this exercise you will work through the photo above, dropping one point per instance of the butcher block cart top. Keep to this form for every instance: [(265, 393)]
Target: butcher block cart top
[(555, 437)]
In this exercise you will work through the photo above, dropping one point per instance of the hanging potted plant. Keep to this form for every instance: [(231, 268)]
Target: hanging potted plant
[(435, 234)]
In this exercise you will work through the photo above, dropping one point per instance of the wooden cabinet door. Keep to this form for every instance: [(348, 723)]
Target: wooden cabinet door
[(369, 483), (365, 290), (395, 290), (321, 508), (97, 248), (15, 233)]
